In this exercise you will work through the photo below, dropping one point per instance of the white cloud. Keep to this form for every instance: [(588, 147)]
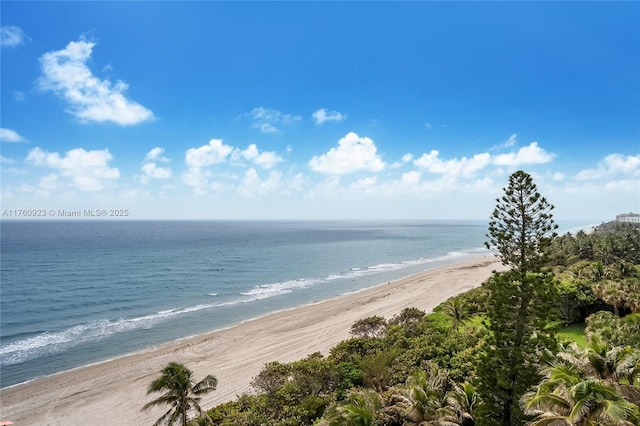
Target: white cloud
[(615, 182), (197, 179), (252, 184), (611, 166), (428, 125), (15, 171), (155, 154), (624, 164), (37, 190), (251, 179), (19, 96), (49, 182), (298, 183), (410, 179), (214, 152), (90, 99), (531, 154), (266, 159), (273, 116), (11, 36), (5, 160), (407, 158), (267, 127), (329, 187), (88, 170), (590, 174), (151, 170), (10, 135), (468, 167), (352, 154), (463, 167), (431, 162), (323, 115), (366, 185), (558, 176), (268, 120), (510, 142)]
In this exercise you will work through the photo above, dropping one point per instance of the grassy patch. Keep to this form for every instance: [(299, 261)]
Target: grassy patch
[(476, 320), (574, 333)]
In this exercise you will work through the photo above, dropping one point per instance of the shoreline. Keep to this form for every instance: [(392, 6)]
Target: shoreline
[(440, 262), (116, 388)]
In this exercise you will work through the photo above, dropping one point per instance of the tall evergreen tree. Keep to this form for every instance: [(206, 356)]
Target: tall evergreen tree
[(520, 233), (521, 227)]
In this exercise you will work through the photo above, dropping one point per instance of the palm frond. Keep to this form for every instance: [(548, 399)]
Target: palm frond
[(544, 402), (551, 420)]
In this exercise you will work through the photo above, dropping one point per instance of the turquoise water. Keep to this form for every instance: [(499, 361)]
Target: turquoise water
[(79, 292)]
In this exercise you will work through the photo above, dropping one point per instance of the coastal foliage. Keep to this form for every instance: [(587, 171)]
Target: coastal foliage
[(374, 326), (593, 386), (484, 352), (455, 308), (597, 271), (180, 393), (358, 409)]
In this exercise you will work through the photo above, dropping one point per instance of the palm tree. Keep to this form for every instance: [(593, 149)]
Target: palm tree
[(597, 271), (614, 364), (618, 366), (565, 398), (619, 270), (455, 308), (582, 387), (630, 325), (611, 293), (180, 393), (631, 288), (424, 398), (359, 409), (462, 401)]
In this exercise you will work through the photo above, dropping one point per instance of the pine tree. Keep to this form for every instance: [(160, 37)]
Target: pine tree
[(520, 234), (521, 227)]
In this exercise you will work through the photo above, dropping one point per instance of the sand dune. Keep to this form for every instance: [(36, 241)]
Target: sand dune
[(113, 392)]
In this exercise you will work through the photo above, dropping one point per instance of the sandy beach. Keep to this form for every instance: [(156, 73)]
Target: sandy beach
[(113, 392)]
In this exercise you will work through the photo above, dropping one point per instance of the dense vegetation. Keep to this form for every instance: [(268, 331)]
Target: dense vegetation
[(487, 356)]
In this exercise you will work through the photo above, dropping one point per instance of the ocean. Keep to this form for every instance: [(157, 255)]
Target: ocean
[(74, 293)]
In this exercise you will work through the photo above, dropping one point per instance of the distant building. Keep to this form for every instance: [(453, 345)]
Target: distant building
[(628, 218)]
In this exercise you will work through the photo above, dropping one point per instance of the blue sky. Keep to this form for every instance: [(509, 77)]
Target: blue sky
[(303, 110)]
